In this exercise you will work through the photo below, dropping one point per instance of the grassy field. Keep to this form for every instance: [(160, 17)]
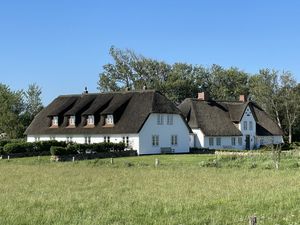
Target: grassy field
[(184, 189)]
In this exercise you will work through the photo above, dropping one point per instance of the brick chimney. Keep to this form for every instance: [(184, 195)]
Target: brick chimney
[(243, 98), (204, 96)]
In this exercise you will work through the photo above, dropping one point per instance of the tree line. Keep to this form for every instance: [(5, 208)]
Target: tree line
[(277, 92), (17, 109)]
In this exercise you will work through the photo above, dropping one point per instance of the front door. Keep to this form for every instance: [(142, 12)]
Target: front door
[(247, 142)]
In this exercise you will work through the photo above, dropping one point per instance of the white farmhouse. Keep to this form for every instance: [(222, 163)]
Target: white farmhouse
[(145, 121), (229, 124)]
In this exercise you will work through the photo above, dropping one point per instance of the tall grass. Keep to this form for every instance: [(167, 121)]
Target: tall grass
[(134, 191)]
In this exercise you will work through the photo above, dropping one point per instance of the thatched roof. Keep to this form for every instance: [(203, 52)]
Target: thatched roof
[(220, 118), (130, 109)]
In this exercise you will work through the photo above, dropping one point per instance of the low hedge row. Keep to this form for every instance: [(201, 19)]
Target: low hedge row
[(25, 147), (71, 149)]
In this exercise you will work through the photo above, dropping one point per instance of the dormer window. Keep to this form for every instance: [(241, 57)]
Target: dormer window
[(55, 121), (109, 120), (72, 120), (90, 120)]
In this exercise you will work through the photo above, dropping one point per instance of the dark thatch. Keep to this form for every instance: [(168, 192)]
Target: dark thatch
[(220, 118), (130, 109)]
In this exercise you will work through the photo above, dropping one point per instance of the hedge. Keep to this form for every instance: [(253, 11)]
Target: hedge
[(26, 147)]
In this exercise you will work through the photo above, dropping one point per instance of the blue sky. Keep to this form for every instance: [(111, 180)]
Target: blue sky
[(62, 45)]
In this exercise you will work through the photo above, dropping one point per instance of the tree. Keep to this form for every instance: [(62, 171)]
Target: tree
[(290, 101), (265, 90), (227, 84), (32, 102), (12, 106)]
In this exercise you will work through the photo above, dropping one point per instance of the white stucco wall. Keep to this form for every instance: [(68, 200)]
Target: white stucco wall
[(199, 138), (95, 138), (164, 132), (266, 140), (247, 117)]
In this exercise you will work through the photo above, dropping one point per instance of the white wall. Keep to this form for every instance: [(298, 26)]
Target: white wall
[(199, 138), (225, 143), (266, 140), (164, 132), (95, 138), (247, 117)]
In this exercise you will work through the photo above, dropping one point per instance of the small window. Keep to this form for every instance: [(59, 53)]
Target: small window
[(160, 119), (69, 139), (155, 140), (87, 140), (174, 140), (52, 138), (126, 141), (211, 141), (233, 141), (109, 120), (218, 141), (250, 125), (240, 140), (72, 121), (90, 120), (55, 121), (245, 125), (37, 139), (107, 139), (170, 119)]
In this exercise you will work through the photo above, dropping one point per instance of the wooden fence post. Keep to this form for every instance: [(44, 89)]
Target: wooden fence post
[(253, 220), (111, 160), (156, 162)]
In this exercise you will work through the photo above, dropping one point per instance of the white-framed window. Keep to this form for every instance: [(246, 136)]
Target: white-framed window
[(174, 139), (211, 141), (245, 125), (233, 141), (170, 119), (36, 139), (109, 119), (250, 125), (55, 121), (240, 140), (126, 141), (160, 119), (155, 140), (90, 120), (87, 140), (218, 141), (107, 139), (52, 138), (69, 139), (72, 120)]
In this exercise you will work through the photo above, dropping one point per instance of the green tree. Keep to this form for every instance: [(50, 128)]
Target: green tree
[(265, 90), (12, 106), (32, 103), (290, 101), (227, 84)]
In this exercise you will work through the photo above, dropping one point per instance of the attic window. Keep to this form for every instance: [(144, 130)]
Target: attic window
[(90, 120), (109, 120), (55, 121), (72, 121)]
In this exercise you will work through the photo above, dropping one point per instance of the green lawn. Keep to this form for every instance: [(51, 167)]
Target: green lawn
[(182, 190)]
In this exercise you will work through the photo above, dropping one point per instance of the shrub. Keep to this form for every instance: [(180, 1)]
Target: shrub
[(57, 150), (44, 146), (21, 147)]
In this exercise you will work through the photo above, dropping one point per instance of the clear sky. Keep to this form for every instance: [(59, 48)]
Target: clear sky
[(62, 45)]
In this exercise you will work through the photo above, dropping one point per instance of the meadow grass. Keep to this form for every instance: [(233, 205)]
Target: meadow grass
[(183, 189)]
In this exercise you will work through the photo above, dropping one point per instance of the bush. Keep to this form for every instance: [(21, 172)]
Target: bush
[(57, 150), (22, 147), (202, 151), (44, 146), (97, 147)]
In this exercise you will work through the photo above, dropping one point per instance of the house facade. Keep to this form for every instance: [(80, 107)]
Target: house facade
[(229, 125), (146, 121)]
